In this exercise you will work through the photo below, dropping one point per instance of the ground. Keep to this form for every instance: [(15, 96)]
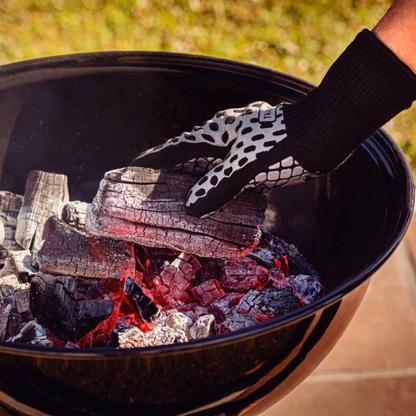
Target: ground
[(301, 38)]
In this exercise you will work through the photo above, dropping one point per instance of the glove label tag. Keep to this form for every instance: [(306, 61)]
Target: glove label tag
[(267, 115)]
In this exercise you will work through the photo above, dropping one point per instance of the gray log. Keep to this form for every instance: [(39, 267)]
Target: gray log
[(10, 204), (45, 196), (146, 206), (67, 251)]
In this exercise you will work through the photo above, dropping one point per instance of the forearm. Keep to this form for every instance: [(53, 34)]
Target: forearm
[(397, 30)]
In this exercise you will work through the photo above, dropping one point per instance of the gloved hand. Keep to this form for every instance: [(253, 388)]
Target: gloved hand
[(250, 147), (273, 146)]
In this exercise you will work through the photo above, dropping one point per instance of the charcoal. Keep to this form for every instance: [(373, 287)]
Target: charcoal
[(45, 196), (67, 251), (32, 333), (235, 323), (201, 327), (133, 337), (22, 300), (306, 288), (226, 306), (143, 304), (10, 204), (268, 303), (207, 292), (176, 277), (56, 305), (22, 262), (147, 207), (74, 213), (277, 278), (272, 247), (242, 274), (4, 318)]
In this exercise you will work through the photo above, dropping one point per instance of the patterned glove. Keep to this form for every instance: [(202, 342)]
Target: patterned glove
[(277, 145), (243, 148)]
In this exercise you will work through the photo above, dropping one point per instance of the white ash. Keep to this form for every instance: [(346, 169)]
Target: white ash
[(201, 327)]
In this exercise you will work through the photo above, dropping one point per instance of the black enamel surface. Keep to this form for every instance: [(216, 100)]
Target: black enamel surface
[(85, 114)]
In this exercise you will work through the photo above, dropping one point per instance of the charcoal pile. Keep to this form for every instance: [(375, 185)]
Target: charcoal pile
[(133, 269)]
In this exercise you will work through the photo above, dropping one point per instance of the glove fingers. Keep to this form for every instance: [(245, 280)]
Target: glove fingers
[(279, 174), (225, 182), (213, 139), (173, 153), (199, 166)]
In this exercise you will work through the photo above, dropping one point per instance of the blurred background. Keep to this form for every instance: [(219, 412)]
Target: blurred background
[(300, 37)]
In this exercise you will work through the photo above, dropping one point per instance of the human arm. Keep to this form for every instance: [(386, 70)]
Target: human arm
[(265, 144)]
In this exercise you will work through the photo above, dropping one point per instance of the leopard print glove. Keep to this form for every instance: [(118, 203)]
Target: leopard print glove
[(242, 148)]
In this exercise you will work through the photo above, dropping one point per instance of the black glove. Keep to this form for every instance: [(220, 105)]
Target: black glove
[(277, 145)]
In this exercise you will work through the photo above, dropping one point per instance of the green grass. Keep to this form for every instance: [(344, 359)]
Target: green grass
[(300, 37)]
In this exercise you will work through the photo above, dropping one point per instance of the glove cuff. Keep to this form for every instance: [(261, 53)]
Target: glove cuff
[(365, 87)]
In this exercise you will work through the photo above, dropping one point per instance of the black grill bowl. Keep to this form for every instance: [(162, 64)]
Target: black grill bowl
[(82, 115)]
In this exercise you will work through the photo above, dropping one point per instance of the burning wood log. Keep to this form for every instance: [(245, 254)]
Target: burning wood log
[(146, 206), (56, 305), (74, 213), (45, 196), (10, 204), (68, 251)]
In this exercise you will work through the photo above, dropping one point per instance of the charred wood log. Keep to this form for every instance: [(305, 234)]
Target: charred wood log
[(67, 251), (14, 305), (74, 213), (146, 206), (5, 310), (22, 263), (10, 204), (56, 305), (45, 196)]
